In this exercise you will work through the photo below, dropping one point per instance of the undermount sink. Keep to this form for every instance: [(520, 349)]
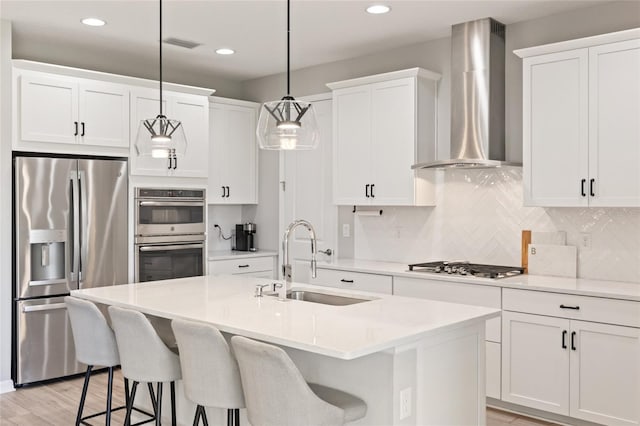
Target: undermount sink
[(323, 298)]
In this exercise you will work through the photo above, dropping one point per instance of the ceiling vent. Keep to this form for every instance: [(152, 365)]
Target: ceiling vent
[(181, 43)]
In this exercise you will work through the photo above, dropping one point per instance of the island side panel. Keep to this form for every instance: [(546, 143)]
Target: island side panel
[(451, 378)]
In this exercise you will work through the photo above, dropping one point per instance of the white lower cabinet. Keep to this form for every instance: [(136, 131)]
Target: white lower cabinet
[(470, 294), (582, 369), (259, 266), (353, 280)]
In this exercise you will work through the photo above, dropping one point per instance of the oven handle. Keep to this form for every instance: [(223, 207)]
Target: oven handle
[(172, 203), (170, 247)]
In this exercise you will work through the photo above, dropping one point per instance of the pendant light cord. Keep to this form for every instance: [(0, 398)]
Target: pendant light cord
[(288, 48), (160, 57)]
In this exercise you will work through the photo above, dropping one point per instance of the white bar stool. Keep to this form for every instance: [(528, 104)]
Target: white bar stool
[(144, 358), (276, 394), (95, 345), (209, 370)]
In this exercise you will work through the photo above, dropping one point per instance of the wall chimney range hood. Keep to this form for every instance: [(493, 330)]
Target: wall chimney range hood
[(477, 97)]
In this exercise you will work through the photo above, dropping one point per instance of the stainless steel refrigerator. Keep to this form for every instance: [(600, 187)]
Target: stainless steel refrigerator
[(70, 232)]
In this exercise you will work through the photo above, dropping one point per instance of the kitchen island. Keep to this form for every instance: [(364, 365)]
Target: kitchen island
[(413, 361)]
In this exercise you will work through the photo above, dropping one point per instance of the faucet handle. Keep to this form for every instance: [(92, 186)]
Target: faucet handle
[(259, 288)]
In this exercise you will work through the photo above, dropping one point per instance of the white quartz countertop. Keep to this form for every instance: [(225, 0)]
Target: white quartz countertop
[(233, 254), (345, 332), (579, 286)]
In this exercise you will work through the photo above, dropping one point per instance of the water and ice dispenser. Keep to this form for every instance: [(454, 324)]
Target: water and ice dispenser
[(48, 256)]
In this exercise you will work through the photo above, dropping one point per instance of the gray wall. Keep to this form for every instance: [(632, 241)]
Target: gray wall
[(435, 56)]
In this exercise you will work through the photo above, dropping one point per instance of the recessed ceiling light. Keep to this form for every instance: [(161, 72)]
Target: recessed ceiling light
[(93, 22), (378, 9), (225, 51)]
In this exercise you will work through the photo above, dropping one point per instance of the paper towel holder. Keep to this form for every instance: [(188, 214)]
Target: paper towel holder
[(366, 212)]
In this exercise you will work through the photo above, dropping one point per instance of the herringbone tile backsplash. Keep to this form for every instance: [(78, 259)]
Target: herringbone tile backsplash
[(479, 217)]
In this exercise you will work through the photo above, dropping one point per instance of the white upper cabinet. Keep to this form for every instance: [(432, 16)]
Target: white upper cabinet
[(233, 165), (384, 124), (56, 109), (581, 130), (193, 112)]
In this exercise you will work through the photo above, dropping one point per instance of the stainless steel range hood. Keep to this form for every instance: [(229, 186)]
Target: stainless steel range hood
[(477, 96)]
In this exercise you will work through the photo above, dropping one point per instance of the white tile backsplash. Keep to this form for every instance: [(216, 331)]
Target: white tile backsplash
[(479, 217)]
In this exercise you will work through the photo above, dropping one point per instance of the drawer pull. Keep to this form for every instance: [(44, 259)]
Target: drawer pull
[(243, 266), (573, 343), (564, 343), (575, 308), (346, 281)]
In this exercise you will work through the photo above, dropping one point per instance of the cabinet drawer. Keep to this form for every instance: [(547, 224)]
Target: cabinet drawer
[(241, 266), (353, 280), (611, 311), (446, 291)]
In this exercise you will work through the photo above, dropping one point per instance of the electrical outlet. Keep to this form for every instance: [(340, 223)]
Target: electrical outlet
[(405, 403), (585, 240), (346, 230)]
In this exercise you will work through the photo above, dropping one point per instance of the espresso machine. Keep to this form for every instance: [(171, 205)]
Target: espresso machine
[(244, 236)]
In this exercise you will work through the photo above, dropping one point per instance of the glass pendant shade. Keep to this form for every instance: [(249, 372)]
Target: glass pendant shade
[(160, 137), (287, 124)]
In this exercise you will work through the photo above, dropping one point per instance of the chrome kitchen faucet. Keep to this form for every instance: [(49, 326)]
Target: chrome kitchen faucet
[(286, 265)]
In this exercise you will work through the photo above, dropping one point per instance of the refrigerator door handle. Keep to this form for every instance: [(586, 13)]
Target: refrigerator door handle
[(39, 308), (84, 225), (74, 227)]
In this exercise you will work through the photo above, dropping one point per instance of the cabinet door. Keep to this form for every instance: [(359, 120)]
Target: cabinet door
[(535, 365), (145, 105), (605, 373), (233, 154), (614, 118), (193, 112), (217, 154), (104, 114), (48, 108), (555, 129), (352, 145), (393, 106)]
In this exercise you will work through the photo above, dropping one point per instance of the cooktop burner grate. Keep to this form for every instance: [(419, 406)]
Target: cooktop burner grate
[(466, 268)]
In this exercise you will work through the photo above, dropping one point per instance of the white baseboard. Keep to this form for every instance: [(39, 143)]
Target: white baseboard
[(6, 386)]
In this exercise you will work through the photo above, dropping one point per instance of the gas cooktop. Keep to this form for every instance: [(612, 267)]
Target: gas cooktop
[(466, 268)]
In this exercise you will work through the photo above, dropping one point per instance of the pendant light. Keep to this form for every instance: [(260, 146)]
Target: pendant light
[(287, 124), (160, 137)]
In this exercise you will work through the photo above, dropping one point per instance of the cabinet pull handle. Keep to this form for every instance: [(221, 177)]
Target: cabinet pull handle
[(75, 123), (575, 308), (243, 266), (82, 134), (346, 281), (372, 194), (583, 181), (228, 192), (564, 335), (591, 182), (573, 336), (175, 160), (366, 190), (169, 166)]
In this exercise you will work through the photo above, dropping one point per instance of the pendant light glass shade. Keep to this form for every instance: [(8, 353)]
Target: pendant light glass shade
[(287, 124), (160, 137)]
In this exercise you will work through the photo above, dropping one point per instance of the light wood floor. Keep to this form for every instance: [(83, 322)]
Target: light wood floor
[(55, 404)]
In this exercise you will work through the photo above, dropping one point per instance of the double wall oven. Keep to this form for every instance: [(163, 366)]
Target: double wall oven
[(169, 233)]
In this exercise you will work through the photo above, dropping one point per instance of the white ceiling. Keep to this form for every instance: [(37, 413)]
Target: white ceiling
[(321, 31)]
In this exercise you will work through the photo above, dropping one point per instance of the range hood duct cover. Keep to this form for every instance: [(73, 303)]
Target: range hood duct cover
[(477, 96)]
